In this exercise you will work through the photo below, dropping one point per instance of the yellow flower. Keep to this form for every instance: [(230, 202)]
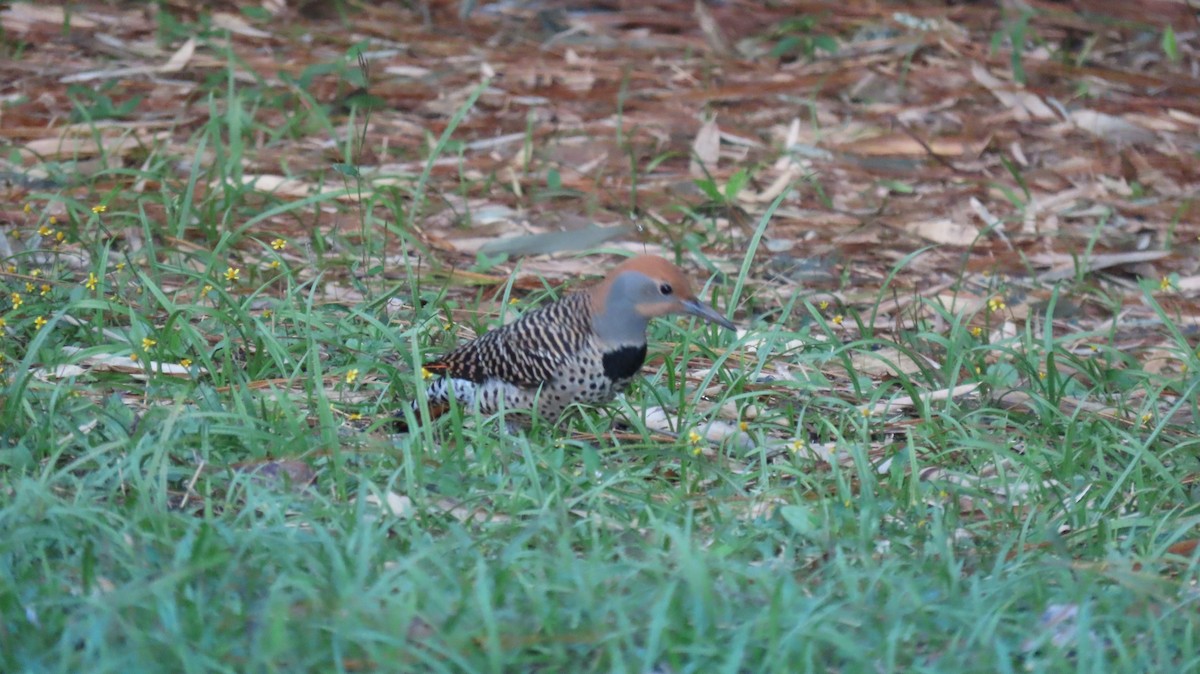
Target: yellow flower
[(91, 281), (35, 273), (512, 300), (266, 313), (3, 323), (279, 244), (351, 375), (1165, 284), (355, 416), (797, 445), (232, 274), (274, 264), (837, 320), (99, 208), (45, 289), (16, 300), (824, 305), (1042, 375), (743, 426), (186, 362), (45, 231), (976, 331), (39, 322), (996, 304), (133, 357), (148, 343), (426, 374), (120, 266), (1147, 418), (694, 437), (206, 290), (28, 287), (53, 220), (28, 208)]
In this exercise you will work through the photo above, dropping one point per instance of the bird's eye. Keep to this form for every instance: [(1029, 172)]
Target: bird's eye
[(665, 289)]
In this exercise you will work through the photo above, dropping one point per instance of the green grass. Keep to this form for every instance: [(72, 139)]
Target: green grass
[(143, 530)]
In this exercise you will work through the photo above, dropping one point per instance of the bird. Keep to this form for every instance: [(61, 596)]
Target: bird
[(583, 348)]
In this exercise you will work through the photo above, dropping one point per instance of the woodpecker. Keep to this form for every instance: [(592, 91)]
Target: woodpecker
[(584, 348)]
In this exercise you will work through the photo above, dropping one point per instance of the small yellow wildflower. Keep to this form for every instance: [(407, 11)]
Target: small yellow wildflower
[(53, 220), (351, 375), (1147, 418), (39, 322), (274, 264), (99, 208), (279, 244), (12, 268), (206, 290), (28, 208), (694, 437), (148, 343), (1165, 284), (28, 287), (59, 236), (976, 331), (16, 300), (91, 281), (186, 362), (797, 445), (45, 231), (355, 416), (45, 289), (426, 374), (824, 305), (35, 273), (743, 426), (232, 274), (512, 300), (267, 313), (1042, 374), (133, 357), (837, 320), (996, 304), (3, 324), (120, 266)]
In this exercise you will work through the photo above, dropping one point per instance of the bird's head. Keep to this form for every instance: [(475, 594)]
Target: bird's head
[(642, 288)]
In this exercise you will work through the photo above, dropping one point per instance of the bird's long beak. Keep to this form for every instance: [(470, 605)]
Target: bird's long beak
[(702, 310)]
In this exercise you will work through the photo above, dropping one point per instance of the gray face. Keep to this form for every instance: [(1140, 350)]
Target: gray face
[(621, 323)]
